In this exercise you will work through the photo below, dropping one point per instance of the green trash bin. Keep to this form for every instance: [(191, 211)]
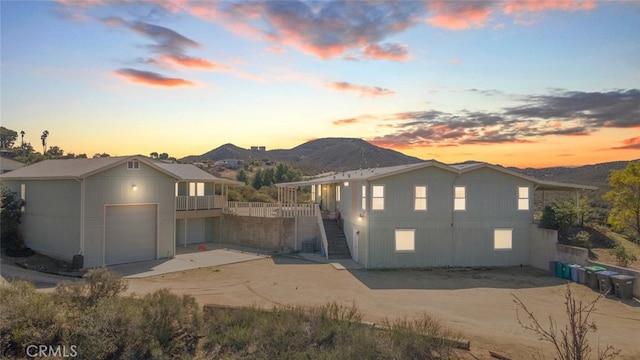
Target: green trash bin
[(623, 285), (559, 269), (590, 277), (566, 271)]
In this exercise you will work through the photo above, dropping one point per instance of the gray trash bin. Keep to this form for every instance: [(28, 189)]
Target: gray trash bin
[(582, 275), (307, 246), (623, 286), (604, 281)]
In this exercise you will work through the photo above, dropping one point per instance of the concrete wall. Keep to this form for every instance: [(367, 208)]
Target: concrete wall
[(268, 233), (544, 248), (622, 271)]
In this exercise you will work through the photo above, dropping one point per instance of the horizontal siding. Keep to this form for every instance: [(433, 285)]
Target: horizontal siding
[(51, 221)]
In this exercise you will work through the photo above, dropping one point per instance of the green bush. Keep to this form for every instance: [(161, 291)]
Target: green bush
[(581, 239), (623, 256), (97, 284)]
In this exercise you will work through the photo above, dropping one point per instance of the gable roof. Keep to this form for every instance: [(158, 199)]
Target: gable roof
[(7, 165), (82, 168), (379, 173)]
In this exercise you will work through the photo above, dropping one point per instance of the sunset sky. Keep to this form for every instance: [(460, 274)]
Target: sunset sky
[(517, 83)]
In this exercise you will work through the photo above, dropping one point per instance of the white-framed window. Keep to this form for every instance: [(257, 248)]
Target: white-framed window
[(459, 198), (346, 183), (200, 189), (377, 197), (192, 189), (502, 239), (405, 240), (133, 165), (523, 198), (23, 195), (313, 193), (364, 197), (420, 198), (337, 192)]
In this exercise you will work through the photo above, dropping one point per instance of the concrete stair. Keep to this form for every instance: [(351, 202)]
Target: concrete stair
[(336, 241)]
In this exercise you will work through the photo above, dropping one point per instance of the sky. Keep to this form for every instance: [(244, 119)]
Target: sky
[(528, 83)]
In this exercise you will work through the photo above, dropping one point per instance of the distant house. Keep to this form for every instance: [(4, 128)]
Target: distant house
[(232, 163), (432, 214), (7, 165), (117, 209), (258, 148)]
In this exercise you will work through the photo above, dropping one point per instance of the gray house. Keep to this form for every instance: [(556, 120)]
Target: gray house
[(432, 214), (117, 209)]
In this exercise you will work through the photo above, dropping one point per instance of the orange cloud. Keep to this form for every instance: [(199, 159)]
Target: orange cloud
[(511, 6), (345, 121), (391, 51), (632, 143), (366, 91), (192, 62), (151, 78)]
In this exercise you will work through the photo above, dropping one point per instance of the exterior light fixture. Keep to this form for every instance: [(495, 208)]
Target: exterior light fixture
[(134, 187)]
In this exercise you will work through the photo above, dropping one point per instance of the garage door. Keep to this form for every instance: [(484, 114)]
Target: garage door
[(130, 233)]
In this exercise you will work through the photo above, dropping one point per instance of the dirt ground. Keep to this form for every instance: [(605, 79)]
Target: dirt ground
[(477, 303)]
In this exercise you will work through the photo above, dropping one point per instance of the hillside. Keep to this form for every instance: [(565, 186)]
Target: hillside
[(316, 156)]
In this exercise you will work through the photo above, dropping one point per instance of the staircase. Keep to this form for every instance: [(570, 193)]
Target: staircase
[(336, 241)]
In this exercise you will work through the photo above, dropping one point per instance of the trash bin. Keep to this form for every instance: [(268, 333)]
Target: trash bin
[(77, 262), (566, 271), (559, 269), (574, 272), (590, 277), (552, 267), (307, 246), (623, 286), (604, 281), (582, 273)]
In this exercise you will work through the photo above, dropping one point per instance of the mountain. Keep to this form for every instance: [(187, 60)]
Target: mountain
[(316, 156)]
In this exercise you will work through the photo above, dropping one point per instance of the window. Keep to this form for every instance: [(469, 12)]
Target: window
[(23, 195), (405, 239), (176, 189), (337, 192), (346, 183), (200, 189), (192, 189), (364, 197), (313, 193), (133, 165), (377, 197), (420, 198), (523, 198), (460, 199), (502, 239)]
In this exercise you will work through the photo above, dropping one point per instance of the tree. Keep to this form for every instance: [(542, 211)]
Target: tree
[(44, 136), (625, 195), (242, 176), (10, 219), (570, 343), (153, 155), (7, 138), (55, 152), (98, 155)]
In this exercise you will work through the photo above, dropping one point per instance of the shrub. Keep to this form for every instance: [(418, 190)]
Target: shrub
[(10, 219), (581, 239), (173, 324), (97, 284), (623, 256), (28, 317), (422, 338)]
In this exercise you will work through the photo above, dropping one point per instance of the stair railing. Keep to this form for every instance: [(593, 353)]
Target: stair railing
[(323, 234)]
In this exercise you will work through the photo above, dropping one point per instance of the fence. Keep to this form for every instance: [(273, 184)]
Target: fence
[(207, 202), (273, 210)]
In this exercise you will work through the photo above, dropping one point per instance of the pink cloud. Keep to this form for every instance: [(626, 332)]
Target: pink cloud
[(192, 62), (389, 51), (514, 6), (365, 91), (151, 78), (459, 15), (629, 144)]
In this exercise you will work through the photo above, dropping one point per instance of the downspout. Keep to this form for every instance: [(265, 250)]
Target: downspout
[(82, 200), (453, 215)]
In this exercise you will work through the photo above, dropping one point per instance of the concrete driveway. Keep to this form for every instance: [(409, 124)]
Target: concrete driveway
[(188, 259)]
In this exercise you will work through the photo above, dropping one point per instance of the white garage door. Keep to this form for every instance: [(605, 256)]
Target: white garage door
[(130, 233)]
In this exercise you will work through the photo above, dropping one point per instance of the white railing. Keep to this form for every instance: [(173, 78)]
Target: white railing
[(272, 210), (323, 234), (207, 202)]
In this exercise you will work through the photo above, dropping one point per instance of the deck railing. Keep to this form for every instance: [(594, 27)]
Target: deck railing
[(207, 202), (272, 210)]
